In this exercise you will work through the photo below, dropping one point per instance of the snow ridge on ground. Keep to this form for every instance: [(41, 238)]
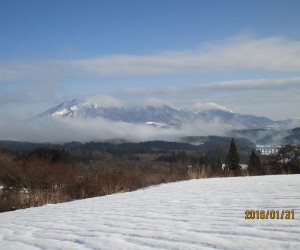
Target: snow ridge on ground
[(195, 214)]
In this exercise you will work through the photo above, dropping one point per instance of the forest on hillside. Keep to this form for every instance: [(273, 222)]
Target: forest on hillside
[(43, 173)]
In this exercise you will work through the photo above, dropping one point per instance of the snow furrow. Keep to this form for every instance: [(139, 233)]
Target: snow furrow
[(195, 214)]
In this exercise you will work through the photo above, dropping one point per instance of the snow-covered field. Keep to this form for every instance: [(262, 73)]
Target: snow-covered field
[(196, 214)]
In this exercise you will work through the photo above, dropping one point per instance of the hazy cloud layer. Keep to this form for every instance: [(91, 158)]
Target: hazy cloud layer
[(55, 81), (240, 53), (257, 84), (104, 101), (274, 98), (59, 130), (76, 129)]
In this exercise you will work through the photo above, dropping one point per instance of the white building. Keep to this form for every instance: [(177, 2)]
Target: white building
[(267, 149)]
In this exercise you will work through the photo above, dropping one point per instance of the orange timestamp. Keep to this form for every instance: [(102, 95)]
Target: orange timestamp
[(270, 214)]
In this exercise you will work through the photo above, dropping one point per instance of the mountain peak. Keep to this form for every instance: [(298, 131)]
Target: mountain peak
[(158, 114)]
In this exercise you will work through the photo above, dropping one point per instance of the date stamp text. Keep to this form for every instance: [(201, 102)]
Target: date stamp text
[(269, 214)]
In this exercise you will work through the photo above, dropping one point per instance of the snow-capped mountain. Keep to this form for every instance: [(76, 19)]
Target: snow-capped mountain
[(162, 116)]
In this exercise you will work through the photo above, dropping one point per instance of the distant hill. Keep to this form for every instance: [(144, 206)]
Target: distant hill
[(269, 136), (21, 146), (214, 145)]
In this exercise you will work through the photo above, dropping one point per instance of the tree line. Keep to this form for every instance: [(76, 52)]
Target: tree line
[(286, 161), (50, 175)]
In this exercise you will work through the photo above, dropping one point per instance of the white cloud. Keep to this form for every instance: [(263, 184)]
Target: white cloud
[(153, 101), (76, 129), (201, 106), (211, 90), (270, 54), (274, 98), (254, 84), (239, 53), (48, 80), (61, 130), (104, 101)]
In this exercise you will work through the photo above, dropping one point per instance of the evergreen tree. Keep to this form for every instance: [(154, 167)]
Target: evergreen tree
[(232, 167), (217, 167), (255, 167)]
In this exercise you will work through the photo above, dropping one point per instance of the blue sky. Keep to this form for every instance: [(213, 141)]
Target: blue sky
[(240, 54)]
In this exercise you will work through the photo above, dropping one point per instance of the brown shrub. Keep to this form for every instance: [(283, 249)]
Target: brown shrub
[(9, 200)]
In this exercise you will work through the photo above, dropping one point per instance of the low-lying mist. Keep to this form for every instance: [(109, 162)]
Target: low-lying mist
[(62, 130)]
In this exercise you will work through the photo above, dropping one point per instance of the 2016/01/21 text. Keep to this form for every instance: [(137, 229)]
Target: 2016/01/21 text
[(270, 214)]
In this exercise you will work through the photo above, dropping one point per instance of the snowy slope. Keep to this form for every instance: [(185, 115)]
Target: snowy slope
[(196, 214)]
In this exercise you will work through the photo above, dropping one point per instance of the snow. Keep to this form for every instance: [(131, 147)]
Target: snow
[(156, 124), (60, 113), (195, 214), (203, 106), (75, 108)]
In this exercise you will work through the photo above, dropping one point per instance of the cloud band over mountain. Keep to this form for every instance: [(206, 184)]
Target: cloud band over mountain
[(238, 53)]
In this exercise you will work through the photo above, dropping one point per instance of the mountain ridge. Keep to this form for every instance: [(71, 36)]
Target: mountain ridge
[(162, 116)]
